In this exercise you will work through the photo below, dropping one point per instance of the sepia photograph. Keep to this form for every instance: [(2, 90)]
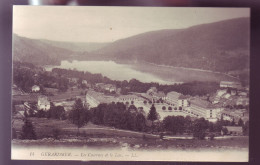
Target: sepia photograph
[(130, 83)]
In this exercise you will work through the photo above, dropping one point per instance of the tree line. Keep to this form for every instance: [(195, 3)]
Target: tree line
[(133, 85), (121, 116), (25, 76)]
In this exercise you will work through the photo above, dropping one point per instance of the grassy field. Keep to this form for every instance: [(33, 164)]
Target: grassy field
[(44, 129), (58, 96), (27, 97), (95, 135)]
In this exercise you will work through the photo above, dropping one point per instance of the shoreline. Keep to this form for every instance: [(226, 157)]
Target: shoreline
[(192, 69), (167, 74)]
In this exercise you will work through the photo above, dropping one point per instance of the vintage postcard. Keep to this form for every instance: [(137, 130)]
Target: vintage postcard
[(130, 83)]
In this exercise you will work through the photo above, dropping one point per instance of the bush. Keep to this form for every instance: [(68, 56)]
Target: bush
[(41, 114), (199, 128), (56, 133), (161, 135), (144, 137), (211, 136), (225, 131), (28, 131), (84, 134)]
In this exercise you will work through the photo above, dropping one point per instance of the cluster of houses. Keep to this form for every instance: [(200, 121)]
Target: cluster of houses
[(212, 108), (106, 87), (42, 104)]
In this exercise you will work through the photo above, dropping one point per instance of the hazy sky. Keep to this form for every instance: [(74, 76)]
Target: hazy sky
[(107, 24)]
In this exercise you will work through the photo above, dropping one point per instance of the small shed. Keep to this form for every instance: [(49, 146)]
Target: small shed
[(234, 130)]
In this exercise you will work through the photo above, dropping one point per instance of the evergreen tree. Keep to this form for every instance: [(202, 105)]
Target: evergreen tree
[(233, 123), (128, 120), (31, 113), (25, 114), (152, 115), (240, 122), (224, 130), (132, 108), (28, 130), (140, 122), (199, 128), (246, 128), (174, 124), (78, 114), (56, 133)]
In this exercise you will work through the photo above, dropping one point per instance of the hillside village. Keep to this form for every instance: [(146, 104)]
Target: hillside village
[(229, 102), (229, 106)]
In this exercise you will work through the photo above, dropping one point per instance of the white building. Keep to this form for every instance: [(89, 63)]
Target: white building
[(35, 88), (93, 98), (91, 101), (67, 105), (129, 98), (151, 91), (183, 103), (219, 94), (84, 82), (242, 101), (234, 114), (73, 80), (154, 95), (43, 103), (159, 95), (106, 87), (203, 108), (172, 98), (230, 84)]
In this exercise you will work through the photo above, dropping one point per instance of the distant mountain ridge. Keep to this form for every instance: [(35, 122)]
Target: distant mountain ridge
[(76, 46), (221, 46), (37, 52)]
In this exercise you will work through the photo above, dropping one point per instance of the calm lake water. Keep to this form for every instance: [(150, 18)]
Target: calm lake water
[(111, 70), (144, 72)]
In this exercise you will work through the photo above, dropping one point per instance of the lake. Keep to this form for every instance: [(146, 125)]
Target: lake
[(111, 70), (144, 72)]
